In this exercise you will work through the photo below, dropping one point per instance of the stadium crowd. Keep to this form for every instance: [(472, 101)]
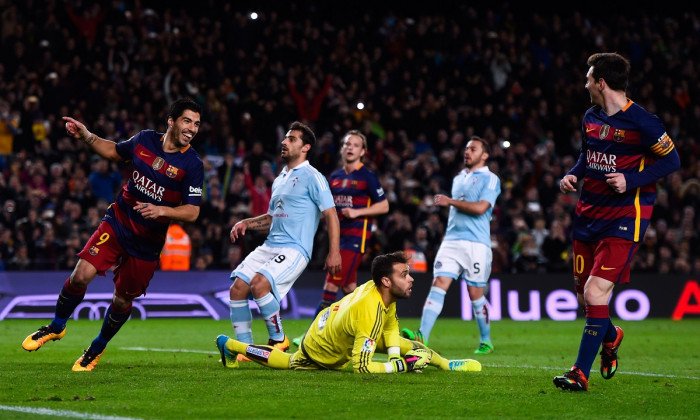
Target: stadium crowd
[(417, 83)]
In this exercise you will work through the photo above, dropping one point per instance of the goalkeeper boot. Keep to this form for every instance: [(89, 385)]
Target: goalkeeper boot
[(608, 356), (279, 345), (45, 334), (414, 335), (484, 348), (228, 359), (573, 380), (465, 365), (87, 361)]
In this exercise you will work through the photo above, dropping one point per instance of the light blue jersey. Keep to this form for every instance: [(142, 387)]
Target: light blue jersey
[(480, 184), (299, 196)]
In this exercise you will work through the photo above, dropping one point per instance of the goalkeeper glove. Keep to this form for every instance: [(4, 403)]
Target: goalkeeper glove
[(404, 365)]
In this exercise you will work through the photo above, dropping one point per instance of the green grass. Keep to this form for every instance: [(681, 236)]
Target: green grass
[(659, 375)]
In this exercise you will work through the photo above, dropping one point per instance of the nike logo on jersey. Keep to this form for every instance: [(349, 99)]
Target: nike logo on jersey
[(604, 268), (144, 154), (588, 130)]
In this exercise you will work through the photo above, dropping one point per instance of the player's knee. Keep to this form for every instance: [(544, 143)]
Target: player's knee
[(80, 278), (259, 286), (239, 290)]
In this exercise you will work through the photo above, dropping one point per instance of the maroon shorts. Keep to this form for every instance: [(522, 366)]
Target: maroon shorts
[(609, 259), (348, 273), (131, 275)]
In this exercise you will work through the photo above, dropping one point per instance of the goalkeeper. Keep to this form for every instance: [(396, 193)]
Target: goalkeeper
[(352, 330)]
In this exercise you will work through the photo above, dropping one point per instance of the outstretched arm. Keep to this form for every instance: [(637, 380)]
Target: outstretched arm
[(105, 148)]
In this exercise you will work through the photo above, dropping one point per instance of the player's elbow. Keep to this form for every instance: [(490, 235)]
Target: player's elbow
[(192, 215)]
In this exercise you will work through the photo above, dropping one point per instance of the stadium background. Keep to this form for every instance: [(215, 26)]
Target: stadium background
[(427, 79)]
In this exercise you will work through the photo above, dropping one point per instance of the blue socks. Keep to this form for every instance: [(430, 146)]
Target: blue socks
[(110, 326), (481, 314), (242, 320), (597, 325), (431, 310), (68, 299), (270, 310)]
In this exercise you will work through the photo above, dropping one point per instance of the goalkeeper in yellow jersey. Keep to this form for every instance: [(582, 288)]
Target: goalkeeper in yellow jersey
[(352, 330)]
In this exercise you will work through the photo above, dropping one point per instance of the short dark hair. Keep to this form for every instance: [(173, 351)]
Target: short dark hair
[(383, 265), (611, 67), (307, 134), (178, 108), (484, 144)]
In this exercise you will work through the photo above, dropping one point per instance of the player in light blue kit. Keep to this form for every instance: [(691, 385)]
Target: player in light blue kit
[(466, 247), (300, 194)]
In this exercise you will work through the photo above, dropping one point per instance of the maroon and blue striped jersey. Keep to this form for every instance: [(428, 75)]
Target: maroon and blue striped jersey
[(358, 189), (631, 141), (157, 177)]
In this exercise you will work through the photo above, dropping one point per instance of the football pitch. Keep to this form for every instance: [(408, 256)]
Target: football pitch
[(170, 369)]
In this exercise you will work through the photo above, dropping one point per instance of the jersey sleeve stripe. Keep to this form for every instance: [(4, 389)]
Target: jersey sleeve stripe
[(321, 180)]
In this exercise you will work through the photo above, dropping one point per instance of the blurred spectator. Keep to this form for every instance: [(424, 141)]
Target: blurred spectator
[(422, 95), (104, 181)]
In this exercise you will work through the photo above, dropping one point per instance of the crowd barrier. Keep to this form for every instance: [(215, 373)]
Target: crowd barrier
[(522, 297)]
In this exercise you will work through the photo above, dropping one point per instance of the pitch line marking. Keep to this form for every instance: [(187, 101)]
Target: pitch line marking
[(62, 413), (169, 350), (653, 375)]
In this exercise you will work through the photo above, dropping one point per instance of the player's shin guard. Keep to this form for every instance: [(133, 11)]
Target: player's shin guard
[(241, 320), (481, 314), (110, 326), (264, 355), (431, 310), (597, 321), (69, 299), (270, 310)]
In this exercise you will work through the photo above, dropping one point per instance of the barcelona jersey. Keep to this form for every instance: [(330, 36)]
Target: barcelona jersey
[(156, 177), (633, 142), (358, 189)]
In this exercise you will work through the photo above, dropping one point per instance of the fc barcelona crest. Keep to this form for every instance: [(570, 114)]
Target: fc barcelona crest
[(171, 172), (158, 163), (604, 130), (619, 135), (94, 250)]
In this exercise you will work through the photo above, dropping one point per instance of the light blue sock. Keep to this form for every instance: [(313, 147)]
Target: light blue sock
[(242, 320), (270, 310), (431, 310), (481, 314)]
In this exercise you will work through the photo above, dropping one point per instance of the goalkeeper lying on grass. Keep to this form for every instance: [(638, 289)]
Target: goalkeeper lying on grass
[(352, 329)]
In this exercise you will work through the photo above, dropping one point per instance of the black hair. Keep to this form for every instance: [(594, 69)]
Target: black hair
[(307, 134), (383, 265), (178, 108), (611, 67)]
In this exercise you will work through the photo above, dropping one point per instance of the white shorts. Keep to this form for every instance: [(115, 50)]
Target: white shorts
[(464, 258), (280, 266)]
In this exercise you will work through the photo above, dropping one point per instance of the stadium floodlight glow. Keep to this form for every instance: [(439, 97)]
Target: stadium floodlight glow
[(505, 144), (360, 106), (253, 15)]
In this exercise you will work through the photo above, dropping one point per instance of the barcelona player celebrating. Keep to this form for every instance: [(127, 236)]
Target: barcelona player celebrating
[(624, 152), (165, 185)]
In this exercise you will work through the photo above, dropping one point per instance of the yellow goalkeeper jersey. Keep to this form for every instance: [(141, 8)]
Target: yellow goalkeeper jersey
[(350, 330)]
